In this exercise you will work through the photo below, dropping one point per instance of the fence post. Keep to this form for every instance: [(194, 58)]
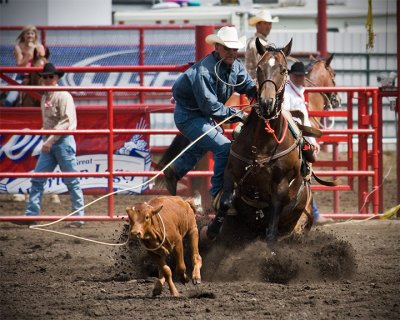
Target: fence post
[(202, 48)]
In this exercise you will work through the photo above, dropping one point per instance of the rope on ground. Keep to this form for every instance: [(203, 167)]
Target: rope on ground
[(386, 215), (41, 227)]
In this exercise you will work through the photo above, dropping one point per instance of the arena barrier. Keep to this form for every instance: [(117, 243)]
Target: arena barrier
[(367, 172), (368, 132)]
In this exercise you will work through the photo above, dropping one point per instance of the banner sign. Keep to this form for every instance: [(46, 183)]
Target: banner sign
[(19, 153), (81, 56)]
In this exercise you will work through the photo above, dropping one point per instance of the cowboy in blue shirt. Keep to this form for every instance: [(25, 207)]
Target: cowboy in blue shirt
[(200, 94)]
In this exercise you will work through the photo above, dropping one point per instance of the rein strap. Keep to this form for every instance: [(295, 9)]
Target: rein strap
[(272, 131)]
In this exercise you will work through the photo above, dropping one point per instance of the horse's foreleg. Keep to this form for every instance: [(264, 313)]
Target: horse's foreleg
[(306, 218), (273, 222)]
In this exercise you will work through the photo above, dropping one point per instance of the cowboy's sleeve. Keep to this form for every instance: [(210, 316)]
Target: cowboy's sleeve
[(206, 97)]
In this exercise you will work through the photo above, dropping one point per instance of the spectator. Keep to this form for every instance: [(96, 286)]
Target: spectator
[(27, 42), (294, 101), (58, 113), (200, 94), (263, 23)]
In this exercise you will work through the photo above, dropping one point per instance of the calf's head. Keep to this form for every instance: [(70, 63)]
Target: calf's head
[(140, 220)]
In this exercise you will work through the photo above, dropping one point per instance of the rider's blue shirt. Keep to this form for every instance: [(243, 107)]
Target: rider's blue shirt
[(200, 90)]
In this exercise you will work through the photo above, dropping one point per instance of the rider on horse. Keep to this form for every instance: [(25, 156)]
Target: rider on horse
[(294, 101), (200, 94)]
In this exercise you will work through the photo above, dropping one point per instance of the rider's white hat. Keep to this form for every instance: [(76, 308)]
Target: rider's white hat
[(228, 37)]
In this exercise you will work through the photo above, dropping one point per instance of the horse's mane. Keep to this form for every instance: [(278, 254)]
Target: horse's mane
[(310, 65)]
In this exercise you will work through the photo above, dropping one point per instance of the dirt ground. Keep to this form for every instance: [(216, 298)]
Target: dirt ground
[(340, 270)]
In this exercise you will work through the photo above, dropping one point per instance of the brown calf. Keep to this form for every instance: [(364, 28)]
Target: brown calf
[(161, 224)]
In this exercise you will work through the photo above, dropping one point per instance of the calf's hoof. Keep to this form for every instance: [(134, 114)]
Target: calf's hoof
[(196, 281), (157, 289), (184, 278)]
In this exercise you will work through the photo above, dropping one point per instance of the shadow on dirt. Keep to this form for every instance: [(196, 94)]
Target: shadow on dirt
[(316, 256)]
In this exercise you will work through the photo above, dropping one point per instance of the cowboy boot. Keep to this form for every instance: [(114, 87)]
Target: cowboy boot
[(224, 205), (308, 152)]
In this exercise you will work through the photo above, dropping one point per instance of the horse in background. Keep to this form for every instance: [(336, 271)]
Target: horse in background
[(321, 74), (27, 99)]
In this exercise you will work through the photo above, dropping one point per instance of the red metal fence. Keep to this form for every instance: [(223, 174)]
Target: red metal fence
[(368, 131), (368, 171)]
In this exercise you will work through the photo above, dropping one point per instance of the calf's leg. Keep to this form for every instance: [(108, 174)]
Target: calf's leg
[(196, 258), (165, 274), (180, 262)]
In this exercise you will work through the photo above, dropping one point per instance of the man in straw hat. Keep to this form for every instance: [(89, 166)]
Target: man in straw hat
[(58, 113), (200, 94), (262, 21)]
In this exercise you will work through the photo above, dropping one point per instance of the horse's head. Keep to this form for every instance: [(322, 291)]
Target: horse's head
[(321, 74), (271, 77)]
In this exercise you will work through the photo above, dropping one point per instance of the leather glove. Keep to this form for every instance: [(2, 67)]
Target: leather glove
[(241, 116)]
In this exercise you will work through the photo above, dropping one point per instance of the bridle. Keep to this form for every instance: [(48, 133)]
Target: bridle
[(279, 91)]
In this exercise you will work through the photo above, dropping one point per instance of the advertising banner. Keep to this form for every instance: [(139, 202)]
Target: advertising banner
[(19, 153)]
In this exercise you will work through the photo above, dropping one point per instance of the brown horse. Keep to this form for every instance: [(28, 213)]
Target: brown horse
[(33, 99), (272, 198), (321, 74)]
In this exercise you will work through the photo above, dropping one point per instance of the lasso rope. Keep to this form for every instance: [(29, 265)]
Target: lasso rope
[(386, 215), (41, 227), (218, 77)]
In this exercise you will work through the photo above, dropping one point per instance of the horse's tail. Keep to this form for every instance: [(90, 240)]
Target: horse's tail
[(179, 143), (325, 182)]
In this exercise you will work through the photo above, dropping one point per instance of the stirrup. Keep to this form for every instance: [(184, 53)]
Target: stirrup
[(216, 200)]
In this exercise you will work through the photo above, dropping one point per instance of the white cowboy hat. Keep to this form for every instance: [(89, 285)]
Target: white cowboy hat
[(263, 15), (228, 37)]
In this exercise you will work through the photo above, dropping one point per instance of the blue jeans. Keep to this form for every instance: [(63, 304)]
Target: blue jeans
[(315, 210), (193, 124), (63, 154)]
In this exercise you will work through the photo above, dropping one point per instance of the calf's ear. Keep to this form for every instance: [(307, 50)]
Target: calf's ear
[(129, 209), (157, 209)]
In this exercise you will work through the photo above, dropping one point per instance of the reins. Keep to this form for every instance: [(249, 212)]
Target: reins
[(278, 98), (272, 131), (322, 94)]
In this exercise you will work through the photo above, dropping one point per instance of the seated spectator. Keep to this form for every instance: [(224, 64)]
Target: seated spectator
[(27, 42)]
